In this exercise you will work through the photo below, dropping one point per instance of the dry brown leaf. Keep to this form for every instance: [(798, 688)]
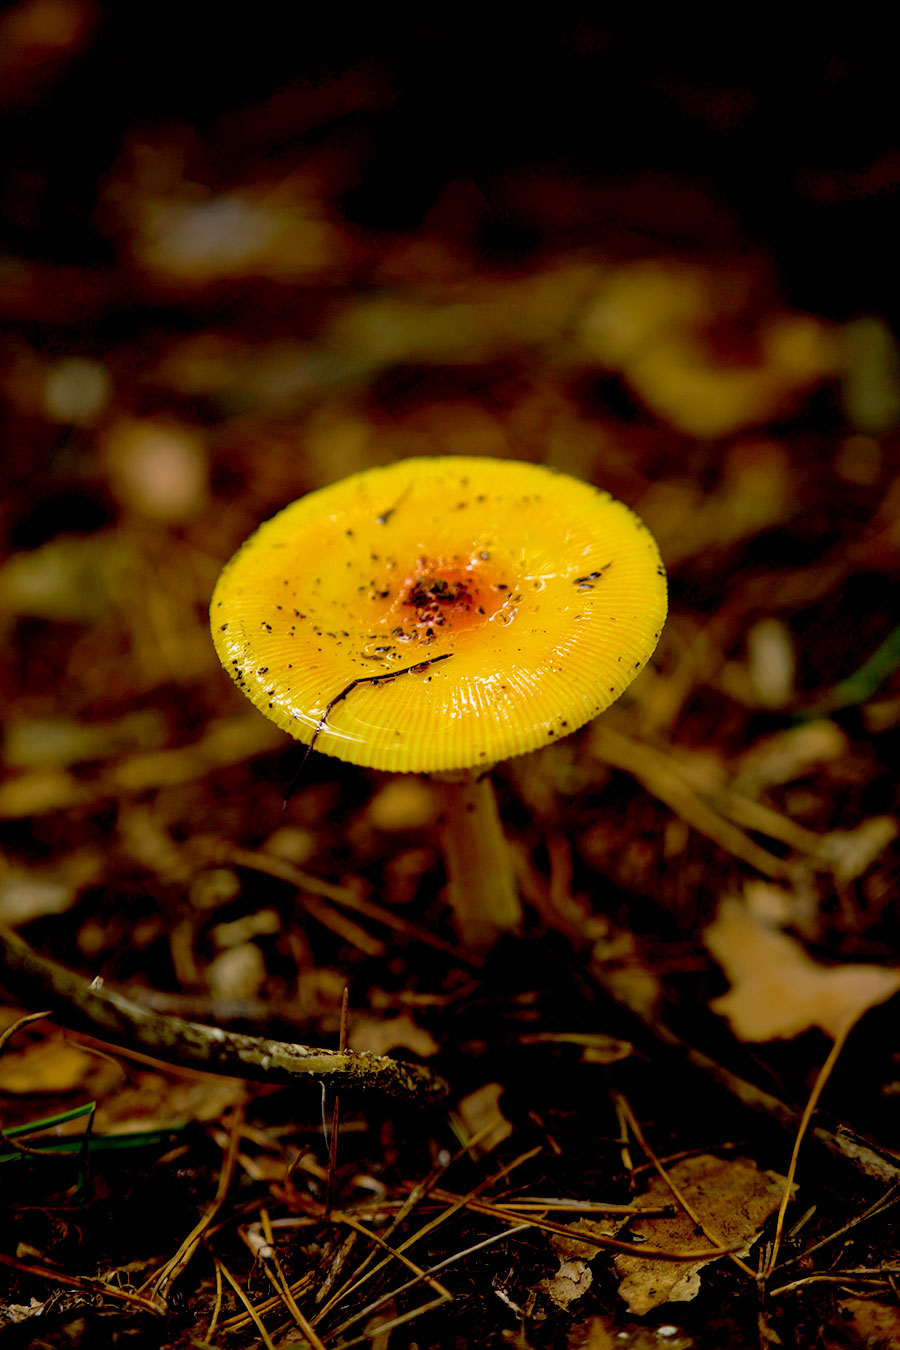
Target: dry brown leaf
[(480, 1114), (381, 1036), (570, 1283), (876, 1324), (777, 990), (155, 1101), (50, 1065), (576, 1242), (732, 1197)]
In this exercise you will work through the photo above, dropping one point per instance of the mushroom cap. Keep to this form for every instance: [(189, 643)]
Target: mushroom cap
[(440, 614)]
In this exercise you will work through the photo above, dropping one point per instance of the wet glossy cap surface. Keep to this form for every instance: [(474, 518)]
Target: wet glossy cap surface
[(484, 608)]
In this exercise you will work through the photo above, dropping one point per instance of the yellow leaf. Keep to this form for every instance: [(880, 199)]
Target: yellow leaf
[(777, 990), (48, 1066)]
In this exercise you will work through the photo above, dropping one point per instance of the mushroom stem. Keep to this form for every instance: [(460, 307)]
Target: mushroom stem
[(481, 887)]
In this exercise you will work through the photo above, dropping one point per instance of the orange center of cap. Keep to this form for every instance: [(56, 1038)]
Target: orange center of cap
[(440, 598)]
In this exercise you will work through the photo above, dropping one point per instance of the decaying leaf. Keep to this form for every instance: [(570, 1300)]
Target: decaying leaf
[(777, 990), (159, 1101), (382, 1035), (481, 1115), (733, 1198), (50, 1065), (570, 1283), (577, 1243), (876, 1324), (574, 1277), (20, 1312)]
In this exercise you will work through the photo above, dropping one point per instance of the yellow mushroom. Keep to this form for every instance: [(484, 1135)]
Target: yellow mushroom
[(437, 616)]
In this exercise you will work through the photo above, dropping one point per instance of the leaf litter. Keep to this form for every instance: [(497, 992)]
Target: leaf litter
[(144, 844)]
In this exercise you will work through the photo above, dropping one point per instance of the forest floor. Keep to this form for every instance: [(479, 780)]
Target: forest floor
[(709, 870)]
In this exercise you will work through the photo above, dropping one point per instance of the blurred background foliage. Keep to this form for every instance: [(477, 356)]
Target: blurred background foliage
[(246, 251)]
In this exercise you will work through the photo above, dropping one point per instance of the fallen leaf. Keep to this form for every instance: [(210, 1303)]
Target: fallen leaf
[(158, 1101), (37, 793), (576, 1242), (876, 1324), (570, 1283), (58, 742), (51, 1065), (20, 1312), (382, 1035), (24, 897), (777, 990), (480, 1114), (733, 1198)]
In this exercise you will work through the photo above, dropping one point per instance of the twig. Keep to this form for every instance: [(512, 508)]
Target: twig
[(821, 1079), (238, 1321), (83, 1006), (217, 1306), (335, 1116), (642, 1249), (17, 1026), (660, 776), (266, 1338), (427, 1274), (279, 1280), (881, 1274), (158, 1285), (416, 1194), (633, 1124), (862, 1154), (886, 1202), (385, 1327), (359, 1278), (309, 885), (86, 1283), (400, 1256)]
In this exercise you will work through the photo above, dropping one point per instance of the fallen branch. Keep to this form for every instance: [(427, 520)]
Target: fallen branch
[(841, 1141), (86, 1006)]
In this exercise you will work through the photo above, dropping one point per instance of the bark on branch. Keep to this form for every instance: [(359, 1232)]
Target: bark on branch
[(84, 1006)]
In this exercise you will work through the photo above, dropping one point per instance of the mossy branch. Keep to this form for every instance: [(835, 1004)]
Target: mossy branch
[(84, 1006)]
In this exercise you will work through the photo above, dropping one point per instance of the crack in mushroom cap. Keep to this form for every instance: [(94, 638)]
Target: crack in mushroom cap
[(536, 596)]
